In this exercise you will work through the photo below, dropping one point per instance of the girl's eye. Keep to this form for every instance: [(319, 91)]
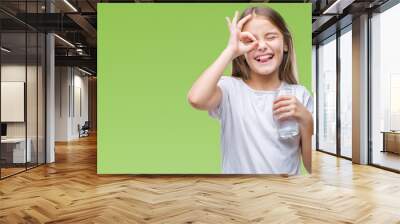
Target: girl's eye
[(247, 41), (270, 37)]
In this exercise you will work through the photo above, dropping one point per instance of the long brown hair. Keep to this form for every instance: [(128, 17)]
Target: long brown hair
[(288, 67)]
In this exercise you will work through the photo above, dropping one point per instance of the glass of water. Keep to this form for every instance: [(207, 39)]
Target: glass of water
[(287, 128)]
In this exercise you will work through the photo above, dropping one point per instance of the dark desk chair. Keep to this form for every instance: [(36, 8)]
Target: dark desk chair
[(84, 130)]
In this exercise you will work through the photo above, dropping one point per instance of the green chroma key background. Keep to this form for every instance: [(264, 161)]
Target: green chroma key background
[(149, 55)]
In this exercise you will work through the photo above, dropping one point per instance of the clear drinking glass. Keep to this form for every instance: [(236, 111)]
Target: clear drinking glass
[(287, 128)]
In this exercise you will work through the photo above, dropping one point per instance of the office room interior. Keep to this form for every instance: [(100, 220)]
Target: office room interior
[(48, 150)]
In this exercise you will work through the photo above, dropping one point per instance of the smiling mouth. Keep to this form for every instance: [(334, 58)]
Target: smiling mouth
[(263, 59)]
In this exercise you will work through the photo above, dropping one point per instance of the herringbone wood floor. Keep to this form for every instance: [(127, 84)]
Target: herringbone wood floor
[(69, 191)]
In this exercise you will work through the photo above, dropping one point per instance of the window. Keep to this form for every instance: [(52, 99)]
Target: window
[(327, 96), (346, 92), (22, 66), (385, 89)]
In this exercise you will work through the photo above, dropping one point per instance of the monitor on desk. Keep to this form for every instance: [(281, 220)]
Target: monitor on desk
[(3, 130)]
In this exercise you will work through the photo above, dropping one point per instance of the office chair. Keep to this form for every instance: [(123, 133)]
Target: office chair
[(84, 130)]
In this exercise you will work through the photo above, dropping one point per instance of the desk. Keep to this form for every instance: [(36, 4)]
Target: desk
[(16, 151), (391, 141)]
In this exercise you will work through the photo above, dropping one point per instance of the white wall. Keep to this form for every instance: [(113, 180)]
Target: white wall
[(70, 83), (12, 73), (62, 80), (33, 127), (81, 84)]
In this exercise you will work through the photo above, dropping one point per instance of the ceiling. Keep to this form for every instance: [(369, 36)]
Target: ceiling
[(76, 22)]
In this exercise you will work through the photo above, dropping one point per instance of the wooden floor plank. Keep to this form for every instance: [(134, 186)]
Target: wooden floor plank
[(70, 191)]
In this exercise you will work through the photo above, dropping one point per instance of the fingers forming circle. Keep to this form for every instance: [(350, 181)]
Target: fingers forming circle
[(244, 36), (243, 21)]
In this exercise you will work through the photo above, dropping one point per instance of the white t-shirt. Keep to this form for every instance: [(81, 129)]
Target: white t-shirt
[(249, 137)]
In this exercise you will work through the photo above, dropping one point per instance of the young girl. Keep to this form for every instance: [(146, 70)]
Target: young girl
[(262, 51)]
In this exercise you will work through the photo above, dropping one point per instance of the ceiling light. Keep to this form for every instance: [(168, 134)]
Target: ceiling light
[(84, 71), (64, 40), (337, 7), (70, 5), (5, 50)]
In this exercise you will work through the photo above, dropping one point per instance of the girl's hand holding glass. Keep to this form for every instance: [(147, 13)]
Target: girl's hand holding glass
[(288, 107), (240, 42)]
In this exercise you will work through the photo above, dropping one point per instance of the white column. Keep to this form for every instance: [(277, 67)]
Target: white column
[(50, 92), (50, 100), (360, 90)]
